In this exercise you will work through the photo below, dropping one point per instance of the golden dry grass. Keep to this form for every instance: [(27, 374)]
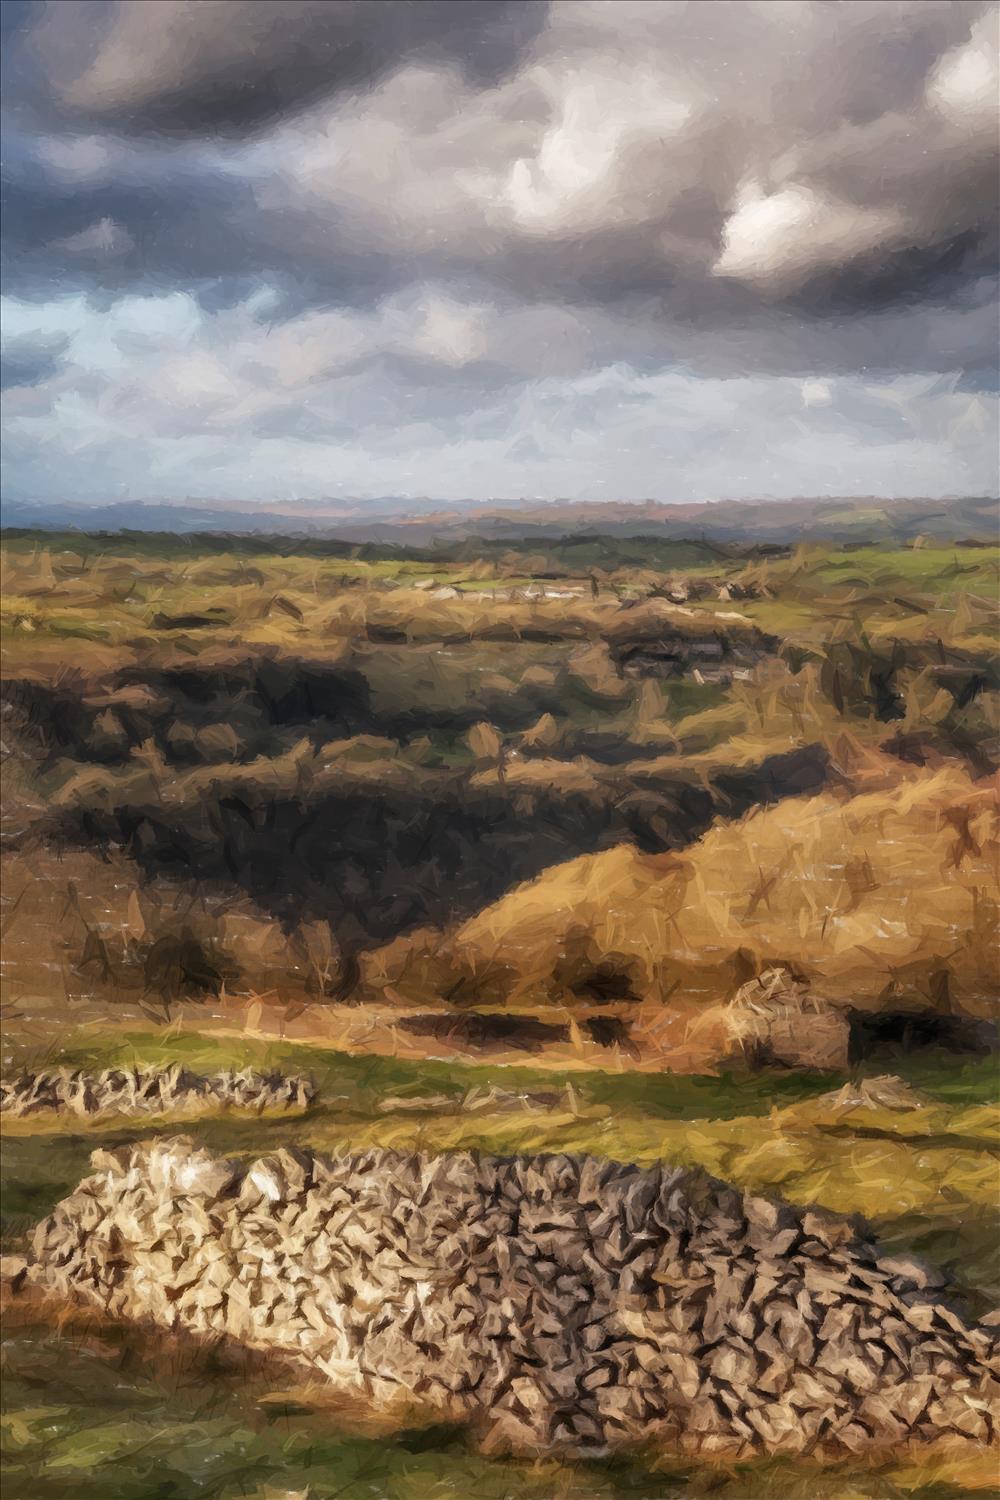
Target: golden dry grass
[(886, 897), (87, 937)]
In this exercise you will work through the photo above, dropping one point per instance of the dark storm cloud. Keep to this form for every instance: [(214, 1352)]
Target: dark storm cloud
[(181, 224), (195, 66)]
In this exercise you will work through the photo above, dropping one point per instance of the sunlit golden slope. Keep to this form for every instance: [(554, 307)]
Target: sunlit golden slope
[(882, 897)]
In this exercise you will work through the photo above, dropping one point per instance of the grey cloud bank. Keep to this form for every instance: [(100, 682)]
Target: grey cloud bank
[(596, 250)]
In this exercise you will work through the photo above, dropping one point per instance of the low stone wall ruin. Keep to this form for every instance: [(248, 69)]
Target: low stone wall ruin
[(551, 1301), (150, 1091)]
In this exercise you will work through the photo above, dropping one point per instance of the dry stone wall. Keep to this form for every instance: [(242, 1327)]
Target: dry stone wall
[(150, 1091), (552, 1301)]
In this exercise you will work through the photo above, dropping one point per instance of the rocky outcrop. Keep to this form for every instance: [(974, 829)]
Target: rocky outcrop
[(773, 1019), (151, 1091), (552, 1301)]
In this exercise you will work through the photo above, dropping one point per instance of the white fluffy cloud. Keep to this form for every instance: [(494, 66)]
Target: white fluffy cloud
[(327, 404), (782, 238), (965, 85)]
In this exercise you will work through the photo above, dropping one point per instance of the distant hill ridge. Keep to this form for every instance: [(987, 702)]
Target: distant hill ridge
[(418, 522)]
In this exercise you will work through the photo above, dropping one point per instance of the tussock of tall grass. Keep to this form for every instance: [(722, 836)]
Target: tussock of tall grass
[(883, 900)]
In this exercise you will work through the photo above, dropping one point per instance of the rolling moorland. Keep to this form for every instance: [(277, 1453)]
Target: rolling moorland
[(656, 848)]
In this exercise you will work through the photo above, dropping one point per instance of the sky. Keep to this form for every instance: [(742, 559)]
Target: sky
[(577, 249)]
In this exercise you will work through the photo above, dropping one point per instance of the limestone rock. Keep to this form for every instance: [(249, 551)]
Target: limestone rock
[(151, 1091), (552, 1301)]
